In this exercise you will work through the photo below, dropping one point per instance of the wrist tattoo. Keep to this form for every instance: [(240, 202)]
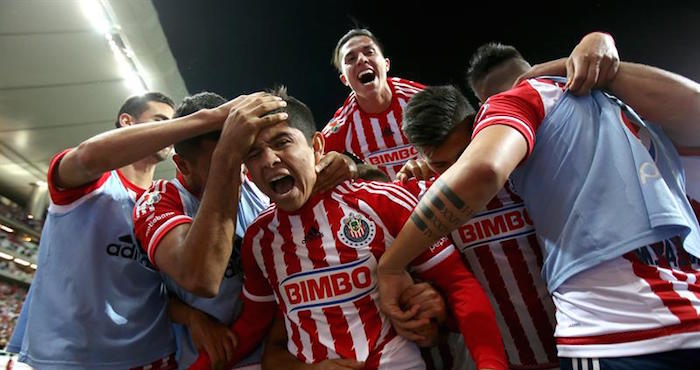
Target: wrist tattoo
[(440, 211)]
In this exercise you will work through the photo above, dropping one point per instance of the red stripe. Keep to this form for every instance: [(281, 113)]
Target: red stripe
[(313, 243), (308, 324), (375, 356), (371, 320), (340, 331), (680, 306), (497, 288), (536, 249), (530, 296), (632, 336)]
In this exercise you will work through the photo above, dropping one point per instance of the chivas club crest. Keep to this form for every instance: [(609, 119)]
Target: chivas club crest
[(356, 230)]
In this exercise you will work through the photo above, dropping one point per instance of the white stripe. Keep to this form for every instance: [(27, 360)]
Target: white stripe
[(357, 330), (549, 93), (402, 104), (390, 171), (508, 341), (302, 252), (291, 346), (324, 332), (525, 319), (364, 207), (574, 363), (391, 190), (162, 228), (533, 267), (395, 128), (394, 199), (406, 90), (61, 209), (258, 255), (584, 364), (378, 135), (596, 364), (359, 132), (507, 118), (328, 240), (433, 261), (257, 298)]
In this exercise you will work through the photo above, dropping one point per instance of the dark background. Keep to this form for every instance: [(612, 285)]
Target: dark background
[(234, 47)]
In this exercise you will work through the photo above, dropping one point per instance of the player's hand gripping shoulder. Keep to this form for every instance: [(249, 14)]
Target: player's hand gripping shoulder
[(592, 64), (247, 115), (417, 168), (332, 169)]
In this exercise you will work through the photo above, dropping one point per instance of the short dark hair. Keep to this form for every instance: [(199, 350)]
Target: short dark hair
[(137, 104), (189, 148), (486, 58), (432, 114), (299, 116), (348, 35)]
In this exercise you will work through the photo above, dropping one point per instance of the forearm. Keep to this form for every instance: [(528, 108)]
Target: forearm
[(206, 249), (662, 97), (123, 146)]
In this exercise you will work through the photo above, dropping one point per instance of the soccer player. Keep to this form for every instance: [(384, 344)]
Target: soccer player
[(498, 244), (205, 321), (368, 125), (95, 301), (315, 256), (620, 241)]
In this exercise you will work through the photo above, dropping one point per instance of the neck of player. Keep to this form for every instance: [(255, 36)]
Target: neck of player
[(377, 101)]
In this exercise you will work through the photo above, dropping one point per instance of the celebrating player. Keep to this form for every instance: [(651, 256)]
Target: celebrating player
[(612, 216), (368, 125), (315, 257)]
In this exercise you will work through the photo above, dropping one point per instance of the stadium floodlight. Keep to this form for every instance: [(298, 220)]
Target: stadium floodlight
[(6, 256), (22, 262), (6, 228)]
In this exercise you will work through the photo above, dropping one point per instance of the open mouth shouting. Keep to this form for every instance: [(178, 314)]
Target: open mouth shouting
[(282, 184), (367, 76)]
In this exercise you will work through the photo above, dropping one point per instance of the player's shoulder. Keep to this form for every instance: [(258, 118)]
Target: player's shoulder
[(264, 218), (380, 191), (342, 116), (405, 88)]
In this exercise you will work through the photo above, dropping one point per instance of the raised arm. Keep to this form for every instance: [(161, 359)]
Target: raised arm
[(195, 255), (120, 147)]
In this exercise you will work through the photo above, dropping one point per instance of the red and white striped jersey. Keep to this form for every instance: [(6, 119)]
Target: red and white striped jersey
[(645, 301), (501, 249), (375, 138), (319, 265)]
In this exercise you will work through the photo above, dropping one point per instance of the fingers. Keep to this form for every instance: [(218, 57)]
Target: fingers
[(591, 78), (552, 68), (228, 346), (577, 74)]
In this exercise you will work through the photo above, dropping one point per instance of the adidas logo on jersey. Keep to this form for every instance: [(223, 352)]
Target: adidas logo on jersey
[(127, 248), (312, 235), (329, 286), (397, 155)]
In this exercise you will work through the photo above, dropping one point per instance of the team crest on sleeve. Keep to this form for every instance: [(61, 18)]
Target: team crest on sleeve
[(151, 198), (356, 230), (334, 126)]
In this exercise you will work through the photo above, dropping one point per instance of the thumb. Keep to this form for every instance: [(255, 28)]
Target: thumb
[(552, 68), (323, 163)]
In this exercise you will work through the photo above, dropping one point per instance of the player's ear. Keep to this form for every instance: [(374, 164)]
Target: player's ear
[(318, 142), (343, 80), (182, 165), (125, 119), (388, 64)]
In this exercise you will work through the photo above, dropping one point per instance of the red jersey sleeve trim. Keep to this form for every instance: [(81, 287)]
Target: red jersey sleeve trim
[(257, 298), (64, 197), (433, 260), (161, 231), (130, 185)]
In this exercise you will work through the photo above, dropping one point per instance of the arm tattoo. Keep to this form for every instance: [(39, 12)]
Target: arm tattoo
[(450, 211)]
